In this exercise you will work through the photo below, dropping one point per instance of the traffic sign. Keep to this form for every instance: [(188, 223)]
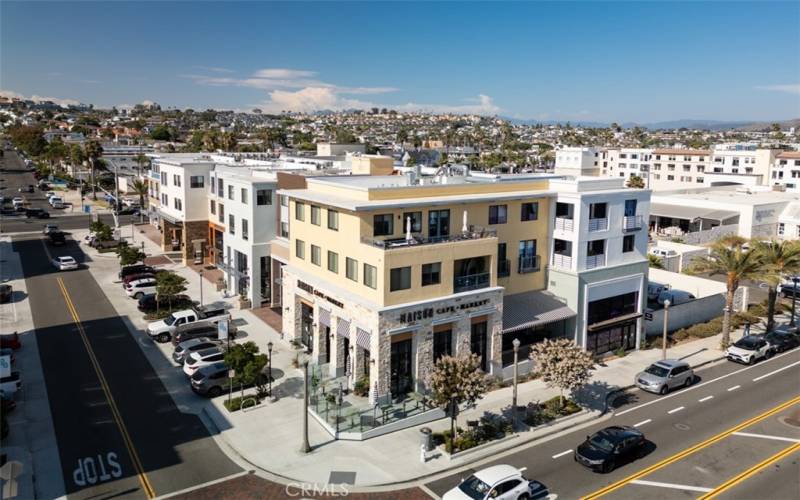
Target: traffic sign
[(648, 316)]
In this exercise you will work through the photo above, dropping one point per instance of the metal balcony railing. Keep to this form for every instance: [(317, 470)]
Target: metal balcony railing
[(598, 224), (632, 222), (474, 233), (562, 261), (564, 224), (593, 261), (471, 282), (503, 268), (528, 264)]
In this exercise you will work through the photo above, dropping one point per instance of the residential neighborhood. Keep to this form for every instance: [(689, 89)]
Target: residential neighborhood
[(257, 283)]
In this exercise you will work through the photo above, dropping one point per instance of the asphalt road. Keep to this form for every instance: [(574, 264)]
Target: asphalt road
[(119, 432), (672, 424)]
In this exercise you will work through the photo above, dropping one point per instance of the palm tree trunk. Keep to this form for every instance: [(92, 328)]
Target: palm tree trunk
[(94, 186), (772, 296), (726, 318)]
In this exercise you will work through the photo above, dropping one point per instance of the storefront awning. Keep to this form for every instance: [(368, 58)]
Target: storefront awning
[(534, 308), (613, 321), (690, 213)]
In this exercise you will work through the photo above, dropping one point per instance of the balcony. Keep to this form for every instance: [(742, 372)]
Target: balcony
[(598, 224), (632, 222), (562, 261), (503, 268), (564, 224), (528, 264), (155, 176), (471, 282), (594, 261), (475, 233)]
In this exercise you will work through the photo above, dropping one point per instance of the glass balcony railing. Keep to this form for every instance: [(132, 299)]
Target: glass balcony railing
[(528, 264), (562, 261), (598, 224), (471, 282), (632, 222), (474, 233), (564, 224), (593, 261)]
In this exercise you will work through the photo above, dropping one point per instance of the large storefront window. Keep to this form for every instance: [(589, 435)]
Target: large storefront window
[(442, 344), (527, 337), (604, 334)]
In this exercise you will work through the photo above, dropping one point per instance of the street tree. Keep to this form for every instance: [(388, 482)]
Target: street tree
[(140, 188), (168, 285), (102, 231), (562, 364), (93, 151), (455, 381), (729, 257), (129, 255), (247, 363), (636, 182), (779, 259)]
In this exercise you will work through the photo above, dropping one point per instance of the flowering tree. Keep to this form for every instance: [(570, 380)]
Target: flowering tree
[(562, 364), (457, 380)]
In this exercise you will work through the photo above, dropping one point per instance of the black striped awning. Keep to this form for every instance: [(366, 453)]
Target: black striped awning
[(534, 308)]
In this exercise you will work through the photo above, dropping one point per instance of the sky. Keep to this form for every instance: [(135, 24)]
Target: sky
[(594, 61)]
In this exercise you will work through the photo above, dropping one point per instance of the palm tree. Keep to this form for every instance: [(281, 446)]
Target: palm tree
[(93, 150), (655, 261), (778, 258), (728, 256), (141, 159), (140, 187)]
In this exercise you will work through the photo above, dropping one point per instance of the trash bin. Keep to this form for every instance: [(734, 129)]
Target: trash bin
[(427, 441)]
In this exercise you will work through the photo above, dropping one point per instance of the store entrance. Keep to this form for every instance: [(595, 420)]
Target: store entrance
[(402, 378), (307, 326)]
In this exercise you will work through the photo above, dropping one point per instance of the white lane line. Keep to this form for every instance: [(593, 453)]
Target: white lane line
[(558, 455), (733, 388), (766, 436), (705, 399), (693, 387), (676, 410), (672, 486), (643, 422), (776, 371)]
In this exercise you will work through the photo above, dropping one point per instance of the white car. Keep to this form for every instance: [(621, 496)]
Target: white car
[(49, 228), (136, 289), (65, 263), (750, 349), (49, 195), (89, 238), (199, 359), (499, 482)]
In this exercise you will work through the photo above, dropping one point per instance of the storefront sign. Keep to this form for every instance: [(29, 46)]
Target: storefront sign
[(430, 312), (310, 289)]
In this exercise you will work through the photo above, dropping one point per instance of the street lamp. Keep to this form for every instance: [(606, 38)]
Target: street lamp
[(795, 279), (305, 448), (515, 343), (664, 337), (201, 287), (269, 361), (144, 255)]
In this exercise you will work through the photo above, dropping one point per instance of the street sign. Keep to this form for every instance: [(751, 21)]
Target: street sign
[(648, 316), (231, 373), (222, 329), (5, 366)]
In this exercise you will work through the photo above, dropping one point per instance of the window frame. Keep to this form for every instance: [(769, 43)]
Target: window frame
[(523, 216), (498, 214), (403, 281), (334, 218), (316, 255), (390, 226), (347, 264), (431, 273), (370, 271), (334, 258)]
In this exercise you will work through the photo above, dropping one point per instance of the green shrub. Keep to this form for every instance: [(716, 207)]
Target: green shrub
[(757, 310), (621, 352), (361, 387), (235, 403)]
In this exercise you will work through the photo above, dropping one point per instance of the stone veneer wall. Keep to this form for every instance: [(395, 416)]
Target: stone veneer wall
[(194, 230)]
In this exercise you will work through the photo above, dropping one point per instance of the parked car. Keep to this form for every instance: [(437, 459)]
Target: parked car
[(163, 329), (7, 351), (49, 195), (134, 277), (198, 329), (198, 359), (7, 403), (57, 203), (135, 269), (662, 252), (503, 482), (210, 380), (49, 228), (57, 238), (37, 213), (147, 303), (11, 341), (11, 383), (782, 340), (6, 292), (789, 291), (750, 349), (675, 297), (664, 375), (136, 289), (654, 290), (606, 449), (183, 349), (65, 263)]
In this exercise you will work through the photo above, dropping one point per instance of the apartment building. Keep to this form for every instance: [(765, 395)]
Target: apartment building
[(578, 161), (785, 169), (625, 162), (679, 168), (388, 273)]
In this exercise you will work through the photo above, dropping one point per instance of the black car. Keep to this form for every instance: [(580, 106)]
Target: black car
[(57, 238), (136, 269), (5, 293), (783, 341), (147, 303), (38, 213), (612, 446)]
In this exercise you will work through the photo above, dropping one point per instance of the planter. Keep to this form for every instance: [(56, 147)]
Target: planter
[(244, 304)]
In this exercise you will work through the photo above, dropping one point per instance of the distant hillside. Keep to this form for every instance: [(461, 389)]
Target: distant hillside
[(766, 125), (674, 124)]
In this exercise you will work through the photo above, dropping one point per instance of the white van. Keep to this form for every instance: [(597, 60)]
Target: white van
[(661, 252), (675, 297), (57, 202)]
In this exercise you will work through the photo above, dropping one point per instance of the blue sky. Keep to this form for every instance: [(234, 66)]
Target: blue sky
[(596, 61)]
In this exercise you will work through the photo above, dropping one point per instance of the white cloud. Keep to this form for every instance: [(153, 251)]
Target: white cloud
[(791, 88), (214, 69), (38, 98), (283, 73), (310, 99), (481, 105)]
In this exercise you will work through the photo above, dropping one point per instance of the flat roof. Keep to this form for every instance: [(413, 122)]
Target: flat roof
[(681, 211), (728, 196)]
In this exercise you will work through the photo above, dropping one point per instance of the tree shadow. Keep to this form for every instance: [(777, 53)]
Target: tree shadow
[(593, 395)]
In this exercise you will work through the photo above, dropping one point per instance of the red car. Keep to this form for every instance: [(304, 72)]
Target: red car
[(11, 341), (134, 277)]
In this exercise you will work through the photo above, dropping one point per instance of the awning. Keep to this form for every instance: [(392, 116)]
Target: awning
[(613, 321), (534, 308), (169, 218), (690, 213)]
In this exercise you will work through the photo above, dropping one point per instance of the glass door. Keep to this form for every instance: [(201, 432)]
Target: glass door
[(438, 224), (401, 368), (478, 343), (306, 326)]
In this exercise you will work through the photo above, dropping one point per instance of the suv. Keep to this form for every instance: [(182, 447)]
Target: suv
[(498, 482), (183, 349), (199, 359), (199, 329), (136, 269), (37, 213), (664, 375), (210, 380), (136, 289), (750, 349), (605, 449)]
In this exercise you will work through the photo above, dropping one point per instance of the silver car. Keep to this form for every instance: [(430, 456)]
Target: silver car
[(184, 349), (662, 376)]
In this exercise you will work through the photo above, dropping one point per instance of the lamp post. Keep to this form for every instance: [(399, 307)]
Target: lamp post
[(795, 279), (269, 364), (515, 343), (305, 448), (144, 256), (201, 287), (664, 337)]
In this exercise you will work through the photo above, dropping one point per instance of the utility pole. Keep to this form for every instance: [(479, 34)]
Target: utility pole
[(515, 343), (664, 337), (305, 448)]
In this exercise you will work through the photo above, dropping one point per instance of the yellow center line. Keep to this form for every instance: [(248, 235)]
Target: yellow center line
[(148, 488), (730, 483), (685, 453)]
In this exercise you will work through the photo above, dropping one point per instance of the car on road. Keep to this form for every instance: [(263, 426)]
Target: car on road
[(6, 292), (148, 304), (210, 380), (164, 328), (135, 269), (49, 228), (37, 213), (498, 482), (49, 195), (782, 340), (604, 450), (664, 375), (57, 202), (183, 349), (26, 189), (57, 238), (750, 349), (64, 263), (199, 359), (136, 289)]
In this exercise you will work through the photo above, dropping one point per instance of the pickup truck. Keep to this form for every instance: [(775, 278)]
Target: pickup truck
[(11, 383), (162, 330)]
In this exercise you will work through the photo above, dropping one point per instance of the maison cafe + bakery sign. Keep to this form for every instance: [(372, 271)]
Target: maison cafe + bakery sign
[(430, 312)]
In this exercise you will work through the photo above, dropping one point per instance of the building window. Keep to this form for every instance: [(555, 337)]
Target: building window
[(164, 200), (197, 181), (416, 221), (164, 178), (284, 229), (628, 243), (442, 344), (527, 256), (597, 211), (211, 184), (382, 225), (530, 211), (400, 278), (781, 228), (220, 188), (498, 214), (231, 224), (176, 180), (284, 200), (299, 211), (438, 224), (333, 262), (316, 255), (221, 213), (300, 249), (244, 196), (230, 192), (333, 220), (351, 269), (431, 273), (370, 276), (315, 215), (670, 177), (596, 247), (178, 204), (245, 229), (263, 197), (213, 207)]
